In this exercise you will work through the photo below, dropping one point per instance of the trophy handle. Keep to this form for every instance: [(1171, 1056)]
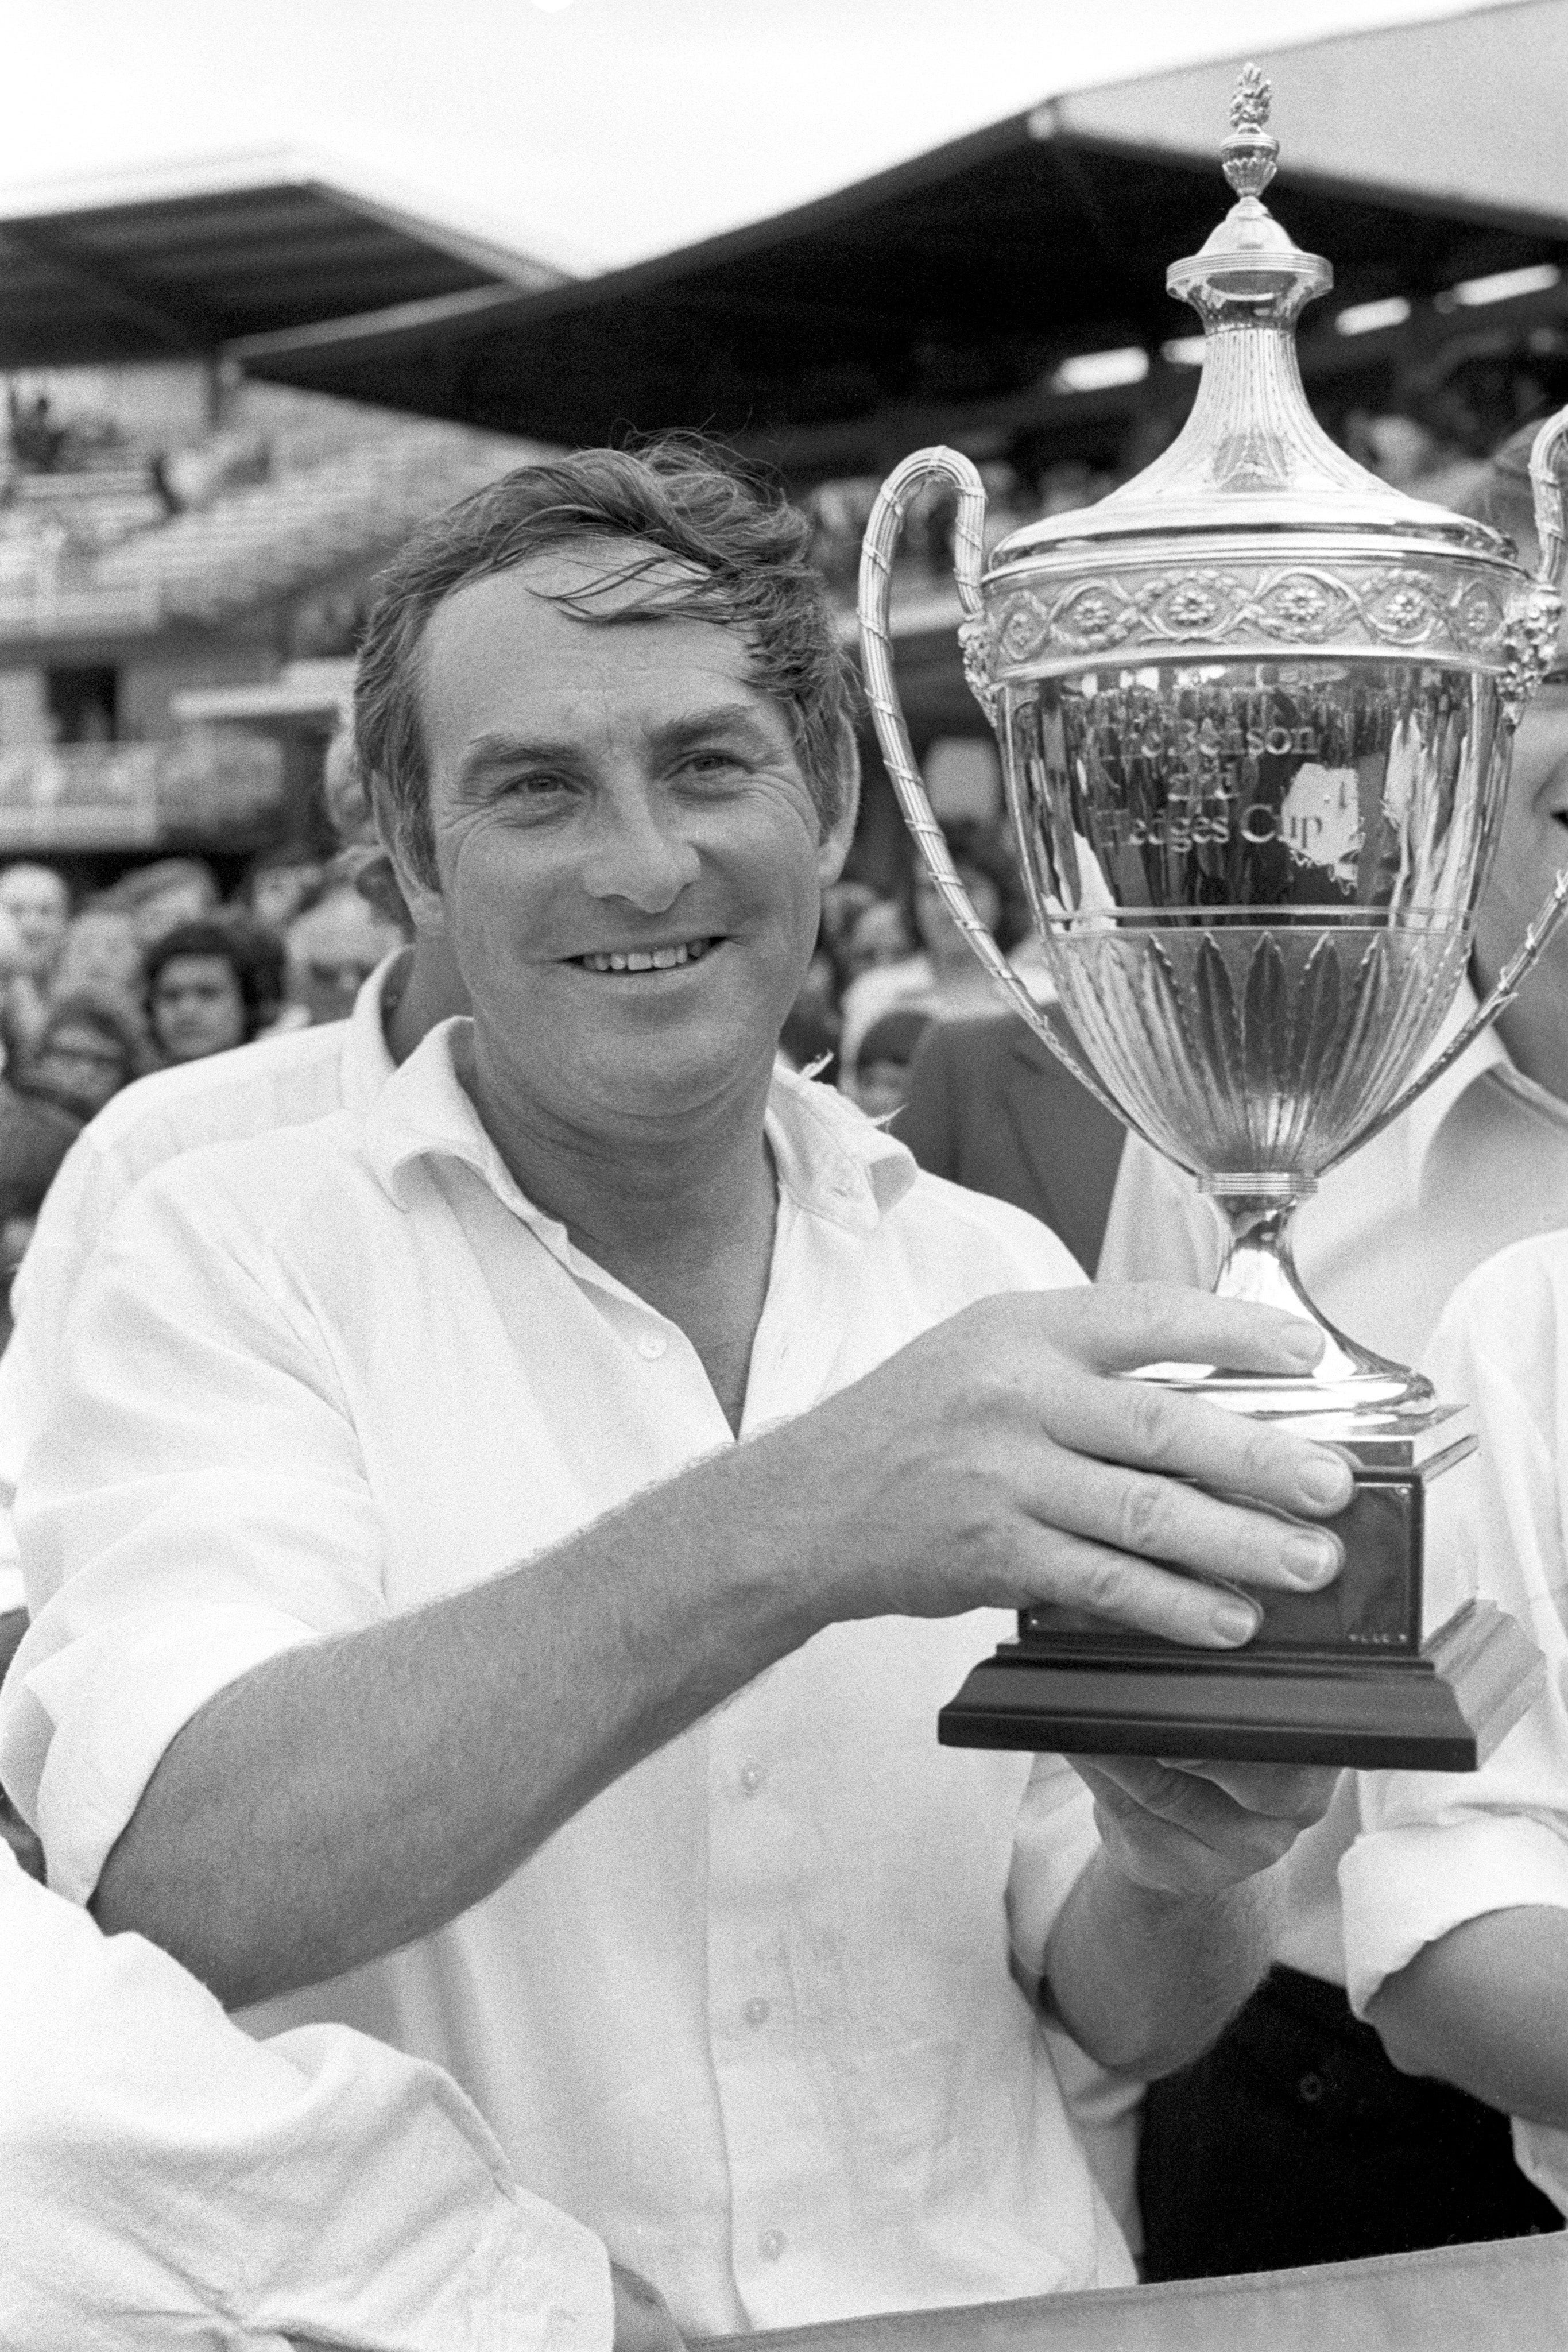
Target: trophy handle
[(882, 536), (1536, 624)]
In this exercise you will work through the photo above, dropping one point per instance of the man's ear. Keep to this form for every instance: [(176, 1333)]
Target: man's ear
[(426, 905), (838, 839)]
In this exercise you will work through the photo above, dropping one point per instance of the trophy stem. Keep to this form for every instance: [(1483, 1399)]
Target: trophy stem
[(1260, 1267)]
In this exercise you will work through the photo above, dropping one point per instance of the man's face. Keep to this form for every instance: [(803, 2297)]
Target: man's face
[(197, 1008), (1532, 843), (80, 1067), (36, 903), (333, 949), (629, 856)]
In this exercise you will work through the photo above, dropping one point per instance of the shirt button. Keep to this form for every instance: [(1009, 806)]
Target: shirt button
[(751, 1779), (771, 2244), (651, 1346), (757, 2011)]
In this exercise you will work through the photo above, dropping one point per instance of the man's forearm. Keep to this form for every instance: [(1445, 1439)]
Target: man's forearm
[(1486, 2008), (1145, 1981), (346, 1797)]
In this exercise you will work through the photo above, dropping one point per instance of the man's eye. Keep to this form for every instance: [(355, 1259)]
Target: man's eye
[(710, 762)]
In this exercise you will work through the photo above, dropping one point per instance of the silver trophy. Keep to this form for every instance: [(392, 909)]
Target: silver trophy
[(1256, 710)]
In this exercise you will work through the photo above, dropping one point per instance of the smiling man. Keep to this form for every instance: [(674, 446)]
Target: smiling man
[(420, 1631)]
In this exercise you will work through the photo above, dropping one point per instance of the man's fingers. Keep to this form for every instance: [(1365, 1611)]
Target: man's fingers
[(1078, 1574), (1116, 1327), (1287, 1793), (1157, 1518), (1143, 1425)]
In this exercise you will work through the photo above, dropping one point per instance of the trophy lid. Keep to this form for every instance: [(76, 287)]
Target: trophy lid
[(1251, 456)]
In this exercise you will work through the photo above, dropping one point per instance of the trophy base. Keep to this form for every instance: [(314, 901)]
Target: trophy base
[(1441, 1709)]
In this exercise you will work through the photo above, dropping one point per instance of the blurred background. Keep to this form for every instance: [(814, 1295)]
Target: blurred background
[(271, 290)]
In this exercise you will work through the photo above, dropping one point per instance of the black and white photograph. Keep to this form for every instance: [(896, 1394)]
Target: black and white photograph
[(784, 1176)]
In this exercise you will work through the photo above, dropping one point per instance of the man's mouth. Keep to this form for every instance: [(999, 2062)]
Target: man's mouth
[(638, 959)]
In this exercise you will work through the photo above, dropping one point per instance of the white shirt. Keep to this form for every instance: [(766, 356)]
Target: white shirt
[(1480, 1161), (1437, 1849), (280, 1082), (168, 2185), (749, 2014)]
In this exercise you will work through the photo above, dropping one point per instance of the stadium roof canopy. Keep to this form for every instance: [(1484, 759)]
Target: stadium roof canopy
[(950, 288), (182, 262)]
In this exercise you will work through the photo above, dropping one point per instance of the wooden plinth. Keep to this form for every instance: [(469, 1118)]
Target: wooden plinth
[(1440, 1709)]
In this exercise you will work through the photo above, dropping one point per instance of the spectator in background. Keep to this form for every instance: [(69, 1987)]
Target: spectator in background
[(88, 1048), (991, 1107), (333, 948), (103, 954), (943, 977), (157, 896), (879, 934), (39, 906), (36, 907), (204, 996), (280, 885), (881, 1084)]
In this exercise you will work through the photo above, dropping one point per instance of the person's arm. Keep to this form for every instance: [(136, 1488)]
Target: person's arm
[(1165, 1932), (298, 1805), (1486, 2008), (165, 2177), (1456, 1889)]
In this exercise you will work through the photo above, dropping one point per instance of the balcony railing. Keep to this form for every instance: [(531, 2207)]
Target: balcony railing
[(203, 787)]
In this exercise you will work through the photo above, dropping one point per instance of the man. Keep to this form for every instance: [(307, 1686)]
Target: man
[(990, 1107), (164, 2179), (1456, 1892), (39, 906), (333, 948), (1294, 2140), (421, 1632)]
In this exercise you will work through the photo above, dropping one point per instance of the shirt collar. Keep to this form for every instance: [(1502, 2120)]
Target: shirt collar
[(831, 1160), (367, 1065), (1488, 1056)]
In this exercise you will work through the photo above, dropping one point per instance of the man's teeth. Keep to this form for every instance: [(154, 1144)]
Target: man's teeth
[(648, 959)]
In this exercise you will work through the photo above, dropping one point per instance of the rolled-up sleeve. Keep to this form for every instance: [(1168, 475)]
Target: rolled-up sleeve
[(1056, 1839), (167, 2182), (194, 1503), (1437, 1849)]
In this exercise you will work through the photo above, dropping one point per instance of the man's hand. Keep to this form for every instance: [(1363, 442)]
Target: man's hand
[(1167, 1931), (997, 1461), (642, 2321), (1196, 1828)]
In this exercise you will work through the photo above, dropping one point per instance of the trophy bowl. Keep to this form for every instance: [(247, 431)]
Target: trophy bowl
[(1256, 711)]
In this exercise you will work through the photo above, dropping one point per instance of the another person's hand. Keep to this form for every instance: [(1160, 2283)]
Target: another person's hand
[(1196, 1828), (642, 2321), (997, 1461)]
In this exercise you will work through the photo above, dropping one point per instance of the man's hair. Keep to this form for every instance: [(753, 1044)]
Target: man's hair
[(679, 500)]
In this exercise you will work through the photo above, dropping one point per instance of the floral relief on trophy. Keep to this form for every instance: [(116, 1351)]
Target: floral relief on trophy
[(1406, 606), (1528, 646)]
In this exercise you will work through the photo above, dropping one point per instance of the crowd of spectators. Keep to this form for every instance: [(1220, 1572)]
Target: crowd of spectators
[(889, 964), (155, 970)]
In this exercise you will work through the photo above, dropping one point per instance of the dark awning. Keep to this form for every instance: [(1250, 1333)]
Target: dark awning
[(838, 335), (190, 261)]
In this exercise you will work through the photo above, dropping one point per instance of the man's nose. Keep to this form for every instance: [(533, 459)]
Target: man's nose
[(638, 854)]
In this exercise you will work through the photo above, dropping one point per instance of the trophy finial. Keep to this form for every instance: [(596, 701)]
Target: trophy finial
[(1250, 153)]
